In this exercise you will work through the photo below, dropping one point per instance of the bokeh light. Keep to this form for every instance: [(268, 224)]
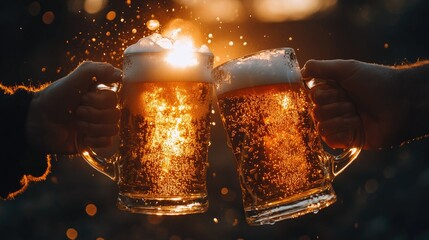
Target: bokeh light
[(264, 10), (48, 17), (91, 209), (282, 10), (71, 233), (111, 15), (94, 6), (34, 8), (213, 10)]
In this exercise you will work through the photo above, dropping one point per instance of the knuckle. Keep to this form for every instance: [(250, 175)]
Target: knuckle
[(85, 64)]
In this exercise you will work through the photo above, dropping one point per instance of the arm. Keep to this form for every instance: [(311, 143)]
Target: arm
[(67, 108), (416, 80), (48, 120), (20, 164), (389, 103)]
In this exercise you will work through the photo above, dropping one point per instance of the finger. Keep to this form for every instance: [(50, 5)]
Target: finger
[(96, 130), (334, 110), (330, 69), (327, 95), (339, 140), (100, 99), (337, 125), (97, 116), (89, 72), (97, 142)]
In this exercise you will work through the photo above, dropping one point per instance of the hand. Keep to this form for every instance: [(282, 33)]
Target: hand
[(356, 95), (68, 108)]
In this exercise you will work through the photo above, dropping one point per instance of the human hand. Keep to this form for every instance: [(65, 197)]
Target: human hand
[(67, 108), (357, 94)]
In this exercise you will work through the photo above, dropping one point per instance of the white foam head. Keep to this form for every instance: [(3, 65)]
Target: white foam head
[(147, 60), (262, 68)]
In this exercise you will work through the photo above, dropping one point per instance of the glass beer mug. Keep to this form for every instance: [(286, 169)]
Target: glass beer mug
[(283, 169), (161, 164)]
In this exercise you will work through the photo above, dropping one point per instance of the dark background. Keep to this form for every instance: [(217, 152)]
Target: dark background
[(382, 195)]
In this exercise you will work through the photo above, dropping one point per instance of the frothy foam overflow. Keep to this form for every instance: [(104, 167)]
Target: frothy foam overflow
[(263, 68), (158, 58)]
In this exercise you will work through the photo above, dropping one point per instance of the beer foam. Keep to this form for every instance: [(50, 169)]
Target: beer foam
[(146, 60), (263, 68)]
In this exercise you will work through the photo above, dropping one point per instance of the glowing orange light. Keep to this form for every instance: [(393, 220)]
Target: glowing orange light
[(71, 233), (94, 6), (48, 17), (91, 209), (152, 24), (182, 54), (111, 15)]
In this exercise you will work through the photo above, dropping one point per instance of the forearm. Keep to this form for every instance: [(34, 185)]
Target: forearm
[(20, 163), (416, 82)]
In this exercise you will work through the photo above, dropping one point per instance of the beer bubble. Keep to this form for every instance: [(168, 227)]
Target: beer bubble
[(270, 131)]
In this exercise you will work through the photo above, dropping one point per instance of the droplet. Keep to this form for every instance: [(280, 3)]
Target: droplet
[(152, 24)]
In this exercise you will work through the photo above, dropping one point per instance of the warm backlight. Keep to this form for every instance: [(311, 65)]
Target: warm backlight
[(182, 54)]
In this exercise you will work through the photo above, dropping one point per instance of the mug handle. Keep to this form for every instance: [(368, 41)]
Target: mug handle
[(106, 165), (344, 159)]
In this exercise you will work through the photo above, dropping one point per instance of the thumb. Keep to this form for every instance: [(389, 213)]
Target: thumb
[(328, 69), (88, 73)]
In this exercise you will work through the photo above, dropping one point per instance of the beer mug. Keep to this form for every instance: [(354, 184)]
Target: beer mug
[(283, 169), (164, 135)]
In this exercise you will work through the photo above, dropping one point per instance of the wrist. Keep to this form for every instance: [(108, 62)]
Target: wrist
[(34, 128), (415, 79)]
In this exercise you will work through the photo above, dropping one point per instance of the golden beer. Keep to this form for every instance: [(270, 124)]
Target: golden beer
[(274, 141), (165, 133)]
